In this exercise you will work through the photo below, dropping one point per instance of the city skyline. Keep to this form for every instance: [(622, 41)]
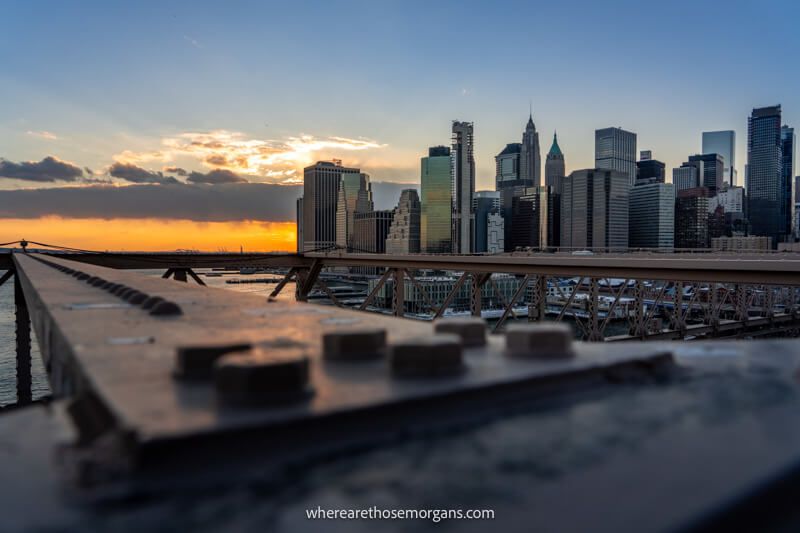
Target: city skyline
[(179, 96)]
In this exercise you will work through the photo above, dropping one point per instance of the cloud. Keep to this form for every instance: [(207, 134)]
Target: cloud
[(209, 203), (43, 134), (176, 170), (215, 177), (134, 174), (269, 160), (48, 169), (192, 42)]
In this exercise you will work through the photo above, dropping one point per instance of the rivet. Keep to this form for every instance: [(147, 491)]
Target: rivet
[(82, 277), (263, 376), (472, 330), (123, 294), (436, 355), (97, 282), (166, 308), (547, 341), (354, 345), (197, 362), (151, 302), (136, 298), (119, 290)]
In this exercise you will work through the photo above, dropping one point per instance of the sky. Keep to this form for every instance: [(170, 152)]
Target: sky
[(197, 107)]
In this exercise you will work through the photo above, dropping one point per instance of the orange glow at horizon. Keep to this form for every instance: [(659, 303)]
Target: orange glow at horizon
[(153, 234)]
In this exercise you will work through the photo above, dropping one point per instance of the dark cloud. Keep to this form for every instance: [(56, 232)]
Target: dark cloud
[(134, 174), (47, 170), (209, 203), (176, 170), (214, 177)]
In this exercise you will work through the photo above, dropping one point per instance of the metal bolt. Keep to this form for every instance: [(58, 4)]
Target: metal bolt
[(263, 376), (354, 345), (125, 292), (136, 298), (96, 282), (197, 362), (152, 302), (437, 355), (548, 341), (82, 277), (166, 308), (119, 290), (472, 330)]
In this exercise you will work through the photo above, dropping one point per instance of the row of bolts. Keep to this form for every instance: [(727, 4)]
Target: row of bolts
[(279, 373)]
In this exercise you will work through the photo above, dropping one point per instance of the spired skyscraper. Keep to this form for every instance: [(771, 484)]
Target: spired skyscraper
[(554, 169), (615, 149), (436, 209), (463, 187), (530, 158), (767, 199), (724, 144)]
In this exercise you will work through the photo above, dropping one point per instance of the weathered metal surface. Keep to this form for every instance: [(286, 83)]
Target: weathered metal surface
[(134, 382)]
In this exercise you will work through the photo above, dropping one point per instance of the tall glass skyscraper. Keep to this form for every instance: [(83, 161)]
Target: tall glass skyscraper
[(724, 144), (766, 192), (355, 196), (594, 210), (615, 149), (788, 169), (507, 164), (463, 187), (436, 213)]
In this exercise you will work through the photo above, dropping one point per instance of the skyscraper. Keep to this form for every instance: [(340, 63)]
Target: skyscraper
[(554, 170), (355, 196), (651, 217), (594, 209), (691, 218), (766, 192), (463, 187), (507, 164), (530, 167), (403, 235), (648, 168), (788, 168), (687, 176), (369, 233), (710, 168), (484, 203), (615, 149), (724, 144), (530, 219), (320, 197), (436, 210), (299, 211)]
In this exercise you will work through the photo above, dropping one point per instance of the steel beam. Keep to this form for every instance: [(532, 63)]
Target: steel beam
[(23, 344)]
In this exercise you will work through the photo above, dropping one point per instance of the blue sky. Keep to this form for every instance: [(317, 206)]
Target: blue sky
[(97, 82)]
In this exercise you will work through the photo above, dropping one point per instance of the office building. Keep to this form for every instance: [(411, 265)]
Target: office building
[(403, 235), (495, 233), (355, 196), (484, 203), (724, 144), (554, 168), (507, 167), (615, 149), (691, 218), (529, 217), (463, 187), (732, 200), (788, 168), (320, 197), (710, 169), (370, 230), (436, 210), (766, 192), (741, 243), (530, 157), (651, 215), (648, 168), (299, 219), (594, 210), (685, 177)]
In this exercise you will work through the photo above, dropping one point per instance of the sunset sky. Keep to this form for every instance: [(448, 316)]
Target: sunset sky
[(164, 125)]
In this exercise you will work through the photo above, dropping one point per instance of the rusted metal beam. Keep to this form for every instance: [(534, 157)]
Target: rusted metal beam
[(520, 290), (374, 291), (398, 295), (22, 322), (279, 287)]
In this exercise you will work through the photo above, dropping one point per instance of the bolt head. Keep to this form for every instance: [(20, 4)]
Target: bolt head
[(166, 308), (433, 356), (545, 341), (152, 302), (354, 344), (197, 361), (274, 375), (472, 330)]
